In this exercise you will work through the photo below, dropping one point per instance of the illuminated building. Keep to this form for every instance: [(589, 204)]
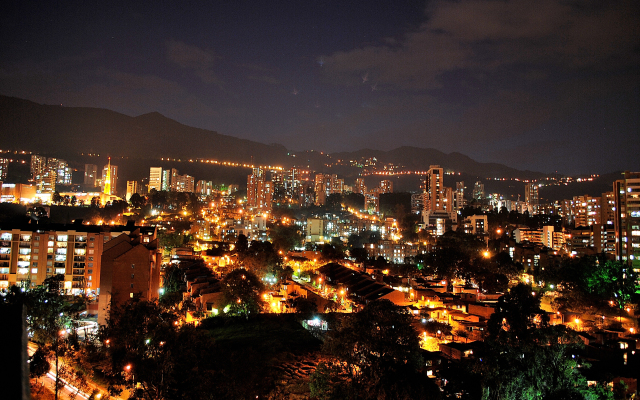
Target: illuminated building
[(4, 167), (459, 196), (478, 190), (438, 213), (109, 178), (130, 266), (259, 190), (61, 167), (386, 186), (38, 165), (155, 178), (183, 183), (30, 253), (360, 187), (531, 197), (17, 193), (132, 187), (204, 188), (627, 218)]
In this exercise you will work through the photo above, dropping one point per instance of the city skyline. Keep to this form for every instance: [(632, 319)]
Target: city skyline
[(547, 87)]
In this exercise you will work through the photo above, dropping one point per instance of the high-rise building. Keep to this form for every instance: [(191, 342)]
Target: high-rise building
[(586, 210), (183, 183), (259, 190), (386, 186), (130, 267), (478, 190), (166, 180), (360, 187), (607, 208), (627, 218), (459, 196), (63, 172), (155, 178), (531, 197), (90, 174), (132, 187), (4, 167), (319, 188), (434, 189), (204, 188), (38, 165), (173, 178), (439, 212)]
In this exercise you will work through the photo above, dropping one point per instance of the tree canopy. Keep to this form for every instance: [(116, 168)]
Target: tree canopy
[(242, 292), (379, 351)]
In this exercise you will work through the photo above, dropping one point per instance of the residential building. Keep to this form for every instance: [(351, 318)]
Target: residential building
[(30, 253), (4, 167), (155, 178), (130, 268), (38, 165), (459, 196), (531, 197), (259, 190), (204, 188), (438, 213), (132, 187), (627, 218), (478, 190), (386, 186)]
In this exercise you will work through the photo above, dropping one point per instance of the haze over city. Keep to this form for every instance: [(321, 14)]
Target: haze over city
[(546, 86)]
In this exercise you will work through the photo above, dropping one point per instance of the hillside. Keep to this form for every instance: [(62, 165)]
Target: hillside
[(66, 131), (135, 143)]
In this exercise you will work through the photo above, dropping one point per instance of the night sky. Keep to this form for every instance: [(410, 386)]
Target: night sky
[(541, 85)]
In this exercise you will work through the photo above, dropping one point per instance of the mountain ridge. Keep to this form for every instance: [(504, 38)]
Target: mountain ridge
[(60, 130)]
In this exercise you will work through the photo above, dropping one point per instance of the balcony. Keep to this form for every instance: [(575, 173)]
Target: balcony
[(80, 245), (79, 258), (25, 245), (78, 272), (5, 243), (5, 256)]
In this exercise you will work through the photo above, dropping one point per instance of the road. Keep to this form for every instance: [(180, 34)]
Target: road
[(68, 391)]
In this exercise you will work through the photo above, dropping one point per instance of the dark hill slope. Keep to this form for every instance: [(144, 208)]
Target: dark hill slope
[(67, 130)]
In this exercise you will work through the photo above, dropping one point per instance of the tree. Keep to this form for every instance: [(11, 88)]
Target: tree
[(285, 237), (137, 201), (378, 350), (525, 358), (149, 350), (242, 292), (242, 243), (95, 202), (47, 321), (516, 314), (56, 198), (261, 258)]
